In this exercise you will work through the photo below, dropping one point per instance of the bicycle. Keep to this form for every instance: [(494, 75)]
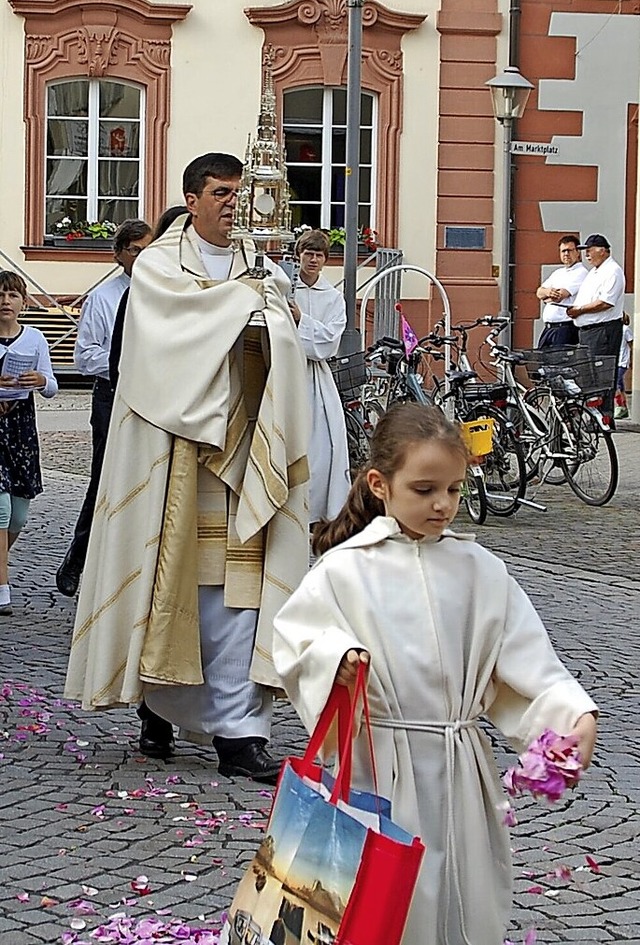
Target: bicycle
[(558, 420), (351, 374), (407, 384), (504, 464)]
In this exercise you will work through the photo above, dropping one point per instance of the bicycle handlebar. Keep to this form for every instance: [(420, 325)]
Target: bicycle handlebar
[(488, 320)]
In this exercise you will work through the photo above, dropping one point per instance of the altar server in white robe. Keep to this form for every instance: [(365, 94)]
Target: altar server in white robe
[(319, 312), (450, 638)]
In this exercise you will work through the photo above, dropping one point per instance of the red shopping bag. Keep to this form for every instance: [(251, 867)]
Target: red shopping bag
[(333, 867)]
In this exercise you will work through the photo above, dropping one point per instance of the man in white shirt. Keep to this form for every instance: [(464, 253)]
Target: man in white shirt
[(91, 358), (597, 311), (558, 291)]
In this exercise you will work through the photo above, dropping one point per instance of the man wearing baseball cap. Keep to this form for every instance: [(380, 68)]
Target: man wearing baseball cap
[(598, 307)]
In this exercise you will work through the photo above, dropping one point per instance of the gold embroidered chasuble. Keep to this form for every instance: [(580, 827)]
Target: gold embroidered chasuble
[(213, 489)]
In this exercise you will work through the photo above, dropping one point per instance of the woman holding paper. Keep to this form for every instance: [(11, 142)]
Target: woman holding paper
[(25, 366)]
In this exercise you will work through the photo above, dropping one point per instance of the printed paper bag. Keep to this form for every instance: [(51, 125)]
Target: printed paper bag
[(333, 868)]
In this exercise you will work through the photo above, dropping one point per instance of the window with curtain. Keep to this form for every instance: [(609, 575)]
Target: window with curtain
[(315, 129), (94, 151)]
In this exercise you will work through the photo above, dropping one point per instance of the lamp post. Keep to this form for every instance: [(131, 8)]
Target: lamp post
[(509, 94), (351, 337)]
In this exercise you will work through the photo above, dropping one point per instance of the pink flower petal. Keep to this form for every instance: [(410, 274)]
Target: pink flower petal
[(593, 866)]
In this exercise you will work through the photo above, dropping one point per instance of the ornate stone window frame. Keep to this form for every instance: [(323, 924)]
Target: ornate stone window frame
[(128, 40), (309, 39)]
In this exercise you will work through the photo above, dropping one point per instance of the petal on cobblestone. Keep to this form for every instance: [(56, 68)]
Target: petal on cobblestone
[(140, 885), (593, 866), (83, 907)]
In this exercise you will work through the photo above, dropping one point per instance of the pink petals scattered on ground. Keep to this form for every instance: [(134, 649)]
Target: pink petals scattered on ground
[(530, 938), (125, 930), (549, 766)]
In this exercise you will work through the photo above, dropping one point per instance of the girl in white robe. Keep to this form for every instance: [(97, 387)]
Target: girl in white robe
[(450, 637), (319, 311)]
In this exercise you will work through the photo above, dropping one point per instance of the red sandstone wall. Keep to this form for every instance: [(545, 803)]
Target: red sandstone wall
[(553, 57)]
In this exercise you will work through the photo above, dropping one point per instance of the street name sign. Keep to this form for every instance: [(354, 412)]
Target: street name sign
[(533, 147)]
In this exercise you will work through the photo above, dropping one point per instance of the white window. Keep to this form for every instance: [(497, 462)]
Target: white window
[(315, 131), (94, 151)]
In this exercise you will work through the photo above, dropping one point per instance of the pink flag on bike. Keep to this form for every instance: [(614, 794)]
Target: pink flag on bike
[(409, 337)]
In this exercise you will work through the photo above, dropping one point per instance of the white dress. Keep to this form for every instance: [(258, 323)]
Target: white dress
[(321, 326), (452, 638)]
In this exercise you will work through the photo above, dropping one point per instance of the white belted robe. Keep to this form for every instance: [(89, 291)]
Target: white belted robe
[(452, 638), (320, 329)]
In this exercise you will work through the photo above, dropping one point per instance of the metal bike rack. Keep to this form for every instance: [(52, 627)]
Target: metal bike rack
[(408, 267)]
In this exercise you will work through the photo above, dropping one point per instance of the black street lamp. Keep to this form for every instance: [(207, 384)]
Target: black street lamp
[(509, 94)]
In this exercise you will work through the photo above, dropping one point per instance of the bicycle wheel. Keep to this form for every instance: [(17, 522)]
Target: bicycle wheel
[(474, 495), (357, 440), (531, 432), (592, 472), (505, 473), (539, 400)]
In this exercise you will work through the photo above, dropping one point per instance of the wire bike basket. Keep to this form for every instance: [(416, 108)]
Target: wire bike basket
[(593, 375), (350, 373), (541, 363)]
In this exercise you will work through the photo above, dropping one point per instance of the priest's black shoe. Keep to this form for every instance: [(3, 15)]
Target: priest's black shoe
[(247, 758), (68, 576), (156, 734)]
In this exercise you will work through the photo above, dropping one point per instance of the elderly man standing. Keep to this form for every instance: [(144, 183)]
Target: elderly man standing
[(598, 308), (558, 291), (201, 535)]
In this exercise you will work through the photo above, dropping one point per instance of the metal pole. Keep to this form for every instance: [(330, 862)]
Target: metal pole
[(505, 265), (350, 338)]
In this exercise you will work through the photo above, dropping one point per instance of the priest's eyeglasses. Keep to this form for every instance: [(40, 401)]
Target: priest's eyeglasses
[(223, 194)]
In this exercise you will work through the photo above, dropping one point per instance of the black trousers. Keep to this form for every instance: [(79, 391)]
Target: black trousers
[(605, 338), (101, 407), (558, 333)]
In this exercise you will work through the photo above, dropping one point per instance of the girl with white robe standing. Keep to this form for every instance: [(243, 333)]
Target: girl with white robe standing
[(319, 312), (450, 637)]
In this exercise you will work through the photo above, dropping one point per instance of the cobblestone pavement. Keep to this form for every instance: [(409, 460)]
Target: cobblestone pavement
[(83, 814)]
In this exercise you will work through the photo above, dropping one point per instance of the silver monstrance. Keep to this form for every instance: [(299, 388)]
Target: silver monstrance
[(262, 210)]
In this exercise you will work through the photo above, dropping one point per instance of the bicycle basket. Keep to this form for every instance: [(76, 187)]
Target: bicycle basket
[(478, 435), (593, 376), (539, 362), (350, 373)]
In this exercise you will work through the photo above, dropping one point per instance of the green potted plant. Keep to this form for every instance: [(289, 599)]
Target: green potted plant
[(366, 239), (80, 233)]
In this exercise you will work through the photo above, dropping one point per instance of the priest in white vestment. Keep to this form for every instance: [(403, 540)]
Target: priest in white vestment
[(201, 524), (320, 314)]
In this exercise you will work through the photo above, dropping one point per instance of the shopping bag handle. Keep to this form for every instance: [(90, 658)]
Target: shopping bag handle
[(338, 704), (342, 784), (341, 704)]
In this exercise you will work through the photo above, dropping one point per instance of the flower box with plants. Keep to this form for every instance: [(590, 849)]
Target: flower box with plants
[(367, 239), (81, 234)]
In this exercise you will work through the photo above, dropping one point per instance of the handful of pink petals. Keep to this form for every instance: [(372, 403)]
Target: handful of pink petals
[(549, 766)]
